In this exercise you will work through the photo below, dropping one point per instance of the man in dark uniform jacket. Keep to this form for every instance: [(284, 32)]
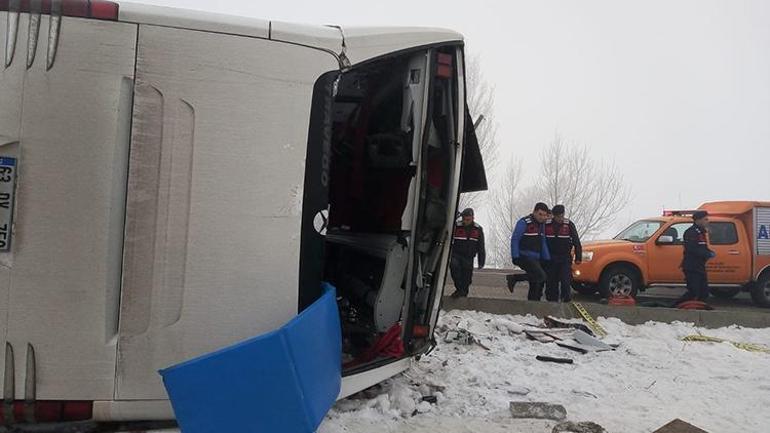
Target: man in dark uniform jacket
[(467, 243), (696, 254), (562, 237)]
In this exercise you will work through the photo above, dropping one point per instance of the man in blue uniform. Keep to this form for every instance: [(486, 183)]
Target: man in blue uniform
[(696, 255), (529, 249), (467, 243)]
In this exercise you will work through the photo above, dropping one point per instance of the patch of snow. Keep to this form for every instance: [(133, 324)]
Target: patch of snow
[(651, 379)]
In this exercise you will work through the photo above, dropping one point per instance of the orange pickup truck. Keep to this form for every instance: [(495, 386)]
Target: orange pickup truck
[(649, 253)]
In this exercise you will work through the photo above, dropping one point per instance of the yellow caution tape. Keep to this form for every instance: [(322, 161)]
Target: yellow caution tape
[(750, 347), (704, 338), (590, 320)]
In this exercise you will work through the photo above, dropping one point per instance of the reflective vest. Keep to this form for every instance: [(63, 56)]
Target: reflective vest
[(467, 241), (532, 240), (559, 237)]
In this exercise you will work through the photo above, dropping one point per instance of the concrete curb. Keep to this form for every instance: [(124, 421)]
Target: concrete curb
[(629, 315)]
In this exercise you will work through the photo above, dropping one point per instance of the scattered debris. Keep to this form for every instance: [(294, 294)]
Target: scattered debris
[(463, 337), (598, 330), (508, 326), (519, 390), (552, 335), (556, 360), (751, 347), (584, 394), (556, 332), (587, 340), (459, 336), (529, 410), (579, 427), (534, 325), (679, 426), (432, 399), (426, 388), (541, 337), (573, 347), (552, 322), (576, 337)]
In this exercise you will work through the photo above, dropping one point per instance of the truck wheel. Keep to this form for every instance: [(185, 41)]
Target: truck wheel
[(584, 289), (760, 291), (619, 280), (725, 292)]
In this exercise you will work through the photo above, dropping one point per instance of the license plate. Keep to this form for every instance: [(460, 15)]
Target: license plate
[(7, 190)]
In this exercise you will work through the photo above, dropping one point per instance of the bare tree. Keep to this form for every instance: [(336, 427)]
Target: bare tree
[(481, 102), (507, 205), (592, 191)]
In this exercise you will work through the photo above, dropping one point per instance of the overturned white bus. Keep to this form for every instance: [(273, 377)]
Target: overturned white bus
[(178, 181)]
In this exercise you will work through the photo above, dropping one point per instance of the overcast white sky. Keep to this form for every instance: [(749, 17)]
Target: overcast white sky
[(676, 92)]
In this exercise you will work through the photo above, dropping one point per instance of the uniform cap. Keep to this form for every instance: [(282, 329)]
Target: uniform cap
[(699, 215), (467, 212)]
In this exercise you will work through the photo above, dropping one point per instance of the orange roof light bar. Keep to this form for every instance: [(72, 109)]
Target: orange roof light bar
[(668, 213)]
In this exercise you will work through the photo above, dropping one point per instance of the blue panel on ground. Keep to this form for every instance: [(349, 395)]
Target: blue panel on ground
[(281, 382)]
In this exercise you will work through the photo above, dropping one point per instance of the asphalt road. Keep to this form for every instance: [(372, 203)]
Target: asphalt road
[(490, 283)]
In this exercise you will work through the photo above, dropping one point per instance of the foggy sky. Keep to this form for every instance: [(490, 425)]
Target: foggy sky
[(676, 92)]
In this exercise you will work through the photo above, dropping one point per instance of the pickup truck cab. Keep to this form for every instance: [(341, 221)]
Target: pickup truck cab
[(650, 251)]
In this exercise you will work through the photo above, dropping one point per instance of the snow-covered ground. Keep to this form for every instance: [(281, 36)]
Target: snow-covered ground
[(651, 379)]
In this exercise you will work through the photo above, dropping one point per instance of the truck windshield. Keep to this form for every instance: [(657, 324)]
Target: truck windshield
[(640, 231)]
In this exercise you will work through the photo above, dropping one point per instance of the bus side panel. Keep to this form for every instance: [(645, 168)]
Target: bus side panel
[(214, 196), (68, 228), (11, 84)]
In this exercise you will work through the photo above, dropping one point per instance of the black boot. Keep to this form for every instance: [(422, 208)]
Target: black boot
[(513, 279)]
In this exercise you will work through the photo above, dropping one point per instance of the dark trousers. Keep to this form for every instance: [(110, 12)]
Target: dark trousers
[(697, 286), (461, 269), (559, 282), (535, 274)]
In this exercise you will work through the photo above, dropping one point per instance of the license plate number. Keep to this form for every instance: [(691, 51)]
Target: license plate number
[(7, 192)]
